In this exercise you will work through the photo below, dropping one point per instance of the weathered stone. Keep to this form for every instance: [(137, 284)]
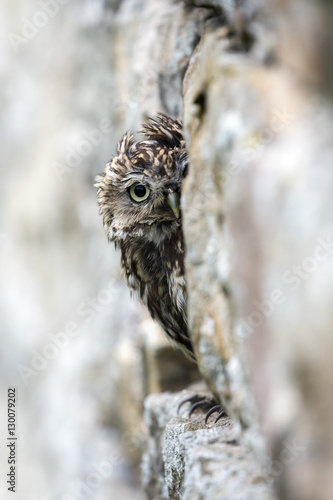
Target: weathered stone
[(185, 459), (267, 181), (282, 195), (150, 61), (211, 119)]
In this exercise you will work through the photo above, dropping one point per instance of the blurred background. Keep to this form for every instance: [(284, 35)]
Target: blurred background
[(75, 74), (64, 308)]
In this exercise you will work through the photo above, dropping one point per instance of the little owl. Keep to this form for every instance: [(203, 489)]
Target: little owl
[(139, 199)]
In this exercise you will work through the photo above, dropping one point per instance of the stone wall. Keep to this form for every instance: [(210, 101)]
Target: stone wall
[(252, 81), (255, 100)]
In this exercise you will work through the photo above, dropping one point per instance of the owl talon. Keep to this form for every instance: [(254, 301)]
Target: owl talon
[(202, 403), (190, 399), (220, 415), (206, 403), (211, 411), (216, 408)]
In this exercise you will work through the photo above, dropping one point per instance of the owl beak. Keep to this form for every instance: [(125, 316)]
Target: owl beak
[(173, 201)]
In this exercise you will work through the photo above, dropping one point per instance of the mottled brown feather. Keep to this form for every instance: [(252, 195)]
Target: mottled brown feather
[(148, 233)]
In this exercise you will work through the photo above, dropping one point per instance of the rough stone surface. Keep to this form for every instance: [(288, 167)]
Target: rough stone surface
[(186, 459), (152, 45), (260, 276), (208, 258)]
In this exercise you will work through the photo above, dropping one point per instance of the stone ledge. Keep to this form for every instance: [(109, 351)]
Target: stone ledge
[(186, 459)]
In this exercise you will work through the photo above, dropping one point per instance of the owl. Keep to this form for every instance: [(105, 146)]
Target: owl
[(139, 198)]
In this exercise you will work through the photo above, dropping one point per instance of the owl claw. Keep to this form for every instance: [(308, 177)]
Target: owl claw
[(190, 399), (206, 403), (220, 415), (216, 408), (202, 403), (212, 410)]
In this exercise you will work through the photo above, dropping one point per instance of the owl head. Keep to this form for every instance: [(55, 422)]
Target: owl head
[(139, 191)]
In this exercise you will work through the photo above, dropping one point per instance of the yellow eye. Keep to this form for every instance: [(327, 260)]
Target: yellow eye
[(139, 192)]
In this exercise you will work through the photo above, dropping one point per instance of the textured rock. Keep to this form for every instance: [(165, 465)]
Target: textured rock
[(258, 239), (283, 265), (210, 119), (150, 61), (185, 459)]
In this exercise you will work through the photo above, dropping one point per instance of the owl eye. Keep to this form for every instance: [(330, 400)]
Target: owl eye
[(139, 192)]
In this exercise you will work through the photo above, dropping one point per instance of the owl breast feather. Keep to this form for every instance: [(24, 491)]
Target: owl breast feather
[(156, 274)]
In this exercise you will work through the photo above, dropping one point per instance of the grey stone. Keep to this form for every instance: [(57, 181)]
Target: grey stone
[(186, 459)]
